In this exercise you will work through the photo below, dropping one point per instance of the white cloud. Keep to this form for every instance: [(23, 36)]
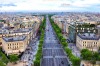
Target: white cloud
[(85, 3), (11, 1), (48, 4)]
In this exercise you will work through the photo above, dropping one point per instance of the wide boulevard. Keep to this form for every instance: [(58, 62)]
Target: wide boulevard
[(53, 53)]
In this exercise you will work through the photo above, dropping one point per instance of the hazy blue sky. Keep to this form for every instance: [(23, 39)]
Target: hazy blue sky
[(50, 5)]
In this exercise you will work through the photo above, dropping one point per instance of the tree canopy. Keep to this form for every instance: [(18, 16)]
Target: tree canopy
[(13, 58), (89, 55)]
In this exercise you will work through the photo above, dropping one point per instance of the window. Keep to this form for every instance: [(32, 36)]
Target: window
[(91, 45), (17, 43), (96, 42), (85, 44), (17, 47), (10, 47), (94, 45)]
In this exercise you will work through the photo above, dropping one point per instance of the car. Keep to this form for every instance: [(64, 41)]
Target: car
[(68, 64)]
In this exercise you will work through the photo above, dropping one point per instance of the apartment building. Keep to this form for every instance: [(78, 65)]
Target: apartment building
[(76, 28), (14, 45), (28, 32), (16, 31), (88, 41)]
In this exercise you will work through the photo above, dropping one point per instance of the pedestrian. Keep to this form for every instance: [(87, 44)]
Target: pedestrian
[(62, 62)]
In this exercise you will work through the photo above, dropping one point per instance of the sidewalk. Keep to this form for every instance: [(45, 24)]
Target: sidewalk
[(64, 35), (72, 46), (74, 49), (18, 64)]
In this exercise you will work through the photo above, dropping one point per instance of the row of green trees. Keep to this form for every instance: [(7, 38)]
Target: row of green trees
[(86, 25), (39, 52), (89, 55), (75, 60), (4, 59), (58, 33)]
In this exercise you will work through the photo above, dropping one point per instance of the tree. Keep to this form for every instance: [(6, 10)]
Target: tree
[(86, 25), (64, 44), (99, 58), (92, 25), (4, 59), (2, 64), (13, 58), (84, 50), (60, 36), (86, 54), (41, 41), (37, 63), (95, 56), (68, 51), (76, 61), (63, 40)]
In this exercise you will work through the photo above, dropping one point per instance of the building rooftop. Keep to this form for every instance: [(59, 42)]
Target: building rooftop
[(89, 36), (12, 39), (22, 30)]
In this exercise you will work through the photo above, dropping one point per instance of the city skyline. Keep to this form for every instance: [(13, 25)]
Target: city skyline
[(50, 5)]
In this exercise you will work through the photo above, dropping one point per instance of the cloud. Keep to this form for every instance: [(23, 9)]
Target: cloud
[(11, 1), (7, 5), (59, 5), (65, 5)]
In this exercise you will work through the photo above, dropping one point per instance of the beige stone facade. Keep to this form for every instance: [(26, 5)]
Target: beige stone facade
[(92, 44), (14, 45), (27, 32)]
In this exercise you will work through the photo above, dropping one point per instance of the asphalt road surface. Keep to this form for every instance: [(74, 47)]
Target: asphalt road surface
[(53, 53)]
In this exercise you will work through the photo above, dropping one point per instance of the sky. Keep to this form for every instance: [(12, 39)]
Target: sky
[(50, 5)]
